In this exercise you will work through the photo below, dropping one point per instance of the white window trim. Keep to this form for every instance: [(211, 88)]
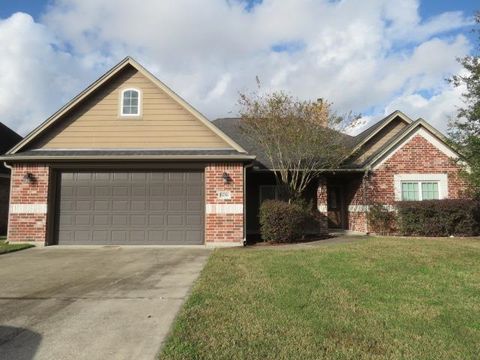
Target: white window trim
[(441, 179), (139, 113)]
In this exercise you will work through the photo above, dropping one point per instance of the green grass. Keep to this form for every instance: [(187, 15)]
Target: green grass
[(377, 298), (6, 248)]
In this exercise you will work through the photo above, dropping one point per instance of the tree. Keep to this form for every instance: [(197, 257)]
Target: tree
[(295, 136), (465, 128)]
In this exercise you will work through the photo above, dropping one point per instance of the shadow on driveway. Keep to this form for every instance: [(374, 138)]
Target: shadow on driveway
[(18, 343)]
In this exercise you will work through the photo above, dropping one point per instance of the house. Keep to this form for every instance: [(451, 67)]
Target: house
[(128, 161), (395, 159), (8, 138)]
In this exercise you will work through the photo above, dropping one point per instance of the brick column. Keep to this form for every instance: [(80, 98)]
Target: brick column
[(224, 216), (322, 204), (28, 203)]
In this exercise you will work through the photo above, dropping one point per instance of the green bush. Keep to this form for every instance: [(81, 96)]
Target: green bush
[(282, 222), (439, 217), (381, 220)]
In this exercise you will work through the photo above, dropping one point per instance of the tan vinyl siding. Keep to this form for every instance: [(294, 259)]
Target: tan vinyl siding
[(380, 139), (163, 123)]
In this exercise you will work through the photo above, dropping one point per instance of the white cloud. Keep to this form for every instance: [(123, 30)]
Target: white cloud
[(361, 55)]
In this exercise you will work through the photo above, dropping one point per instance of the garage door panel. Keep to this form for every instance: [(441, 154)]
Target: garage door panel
[(103, 190), (120, 220), (102, 205), (194, 205), (120, 190), (175, 205), (157, 190), (195, 220), (131, 208), (67, 191), (120, 205), (139, 205), (156, 220), (101, 219), (83, 205), (119, 236), (157, 205), (138, 220), (100, 236), (82, 220), (82, 236)]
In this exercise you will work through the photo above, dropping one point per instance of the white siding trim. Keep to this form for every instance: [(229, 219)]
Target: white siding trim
[(442, 180), (427, 136), (358, 208), (28, 208), (366, 208), (224, 209)]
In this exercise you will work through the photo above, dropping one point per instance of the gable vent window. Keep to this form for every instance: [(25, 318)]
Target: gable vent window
[(130, 102)]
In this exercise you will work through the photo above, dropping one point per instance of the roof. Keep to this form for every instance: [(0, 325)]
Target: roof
[(47, 124), (367, 134), (8, 139), (232, 127), (118, 155)]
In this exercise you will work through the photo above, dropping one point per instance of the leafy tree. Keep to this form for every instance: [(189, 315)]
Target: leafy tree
[(295, 135), (465, 128)]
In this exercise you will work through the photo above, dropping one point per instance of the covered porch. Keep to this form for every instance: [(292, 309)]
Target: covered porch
[(339, 197)]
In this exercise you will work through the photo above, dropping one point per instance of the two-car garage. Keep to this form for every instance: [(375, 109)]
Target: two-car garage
[(129, 207)]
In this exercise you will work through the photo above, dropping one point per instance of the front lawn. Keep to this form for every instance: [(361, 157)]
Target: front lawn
[(6, 248), (375, 298)]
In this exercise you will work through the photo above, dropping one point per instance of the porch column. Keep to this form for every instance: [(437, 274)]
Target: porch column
[(322, 204), (224, 203)]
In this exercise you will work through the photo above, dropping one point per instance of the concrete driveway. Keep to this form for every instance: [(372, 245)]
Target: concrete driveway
[(101, 303)]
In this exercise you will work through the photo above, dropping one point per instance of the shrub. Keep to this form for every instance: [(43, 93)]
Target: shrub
[(439, 217), (381, 220), (281, 221)]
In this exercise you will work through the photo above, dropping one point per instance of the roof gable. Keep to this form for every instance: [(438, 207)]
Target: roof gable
[(368, 134), (419, 127), (90, 120)]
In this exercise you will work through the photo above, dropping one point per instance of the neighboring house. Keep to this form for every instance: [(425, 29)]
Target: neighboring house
[(8, 138), (129, 162)]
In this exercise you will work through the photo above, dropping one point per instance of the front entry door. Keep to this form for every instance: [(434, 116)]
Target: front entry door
[(336, 210)]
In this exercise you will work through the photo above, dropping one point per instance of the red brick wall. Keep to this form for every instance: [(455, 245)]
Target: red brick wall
[(224, 219), (418, 156), (28, 202)]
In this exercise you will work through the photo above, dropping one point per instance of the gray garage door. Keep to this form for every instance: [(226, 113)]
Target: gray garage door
[(130, 208)]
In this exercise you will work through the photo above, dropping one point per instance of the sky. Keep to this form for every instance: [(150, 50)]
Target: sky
[(370, 57)]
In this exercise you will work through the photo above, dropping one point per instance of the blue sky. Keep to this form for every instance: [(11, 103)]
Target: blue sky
[(371, 57)]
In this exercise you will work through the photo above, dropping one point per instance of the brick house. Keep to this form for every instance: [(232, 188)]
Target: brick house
[(8, 138), (128, 161)]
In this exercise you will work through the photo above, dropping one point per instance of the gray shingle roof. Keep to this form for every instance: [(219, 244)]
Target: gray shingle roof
[(232, 127)]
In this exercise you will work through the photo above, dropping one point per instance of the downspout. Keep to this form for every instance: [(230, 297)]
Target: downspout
[(9, 198), (245, 202)]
